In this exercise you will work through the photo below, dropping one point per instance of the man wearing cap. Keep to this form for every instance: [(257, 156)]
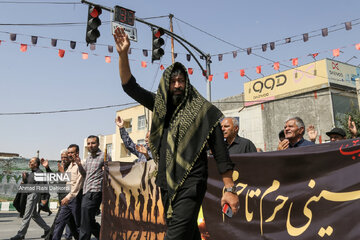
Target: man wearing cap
[(336, 134)]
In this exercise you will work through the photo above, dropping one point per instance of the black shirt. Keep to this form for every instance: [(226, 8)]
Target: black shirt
[(241, 145), (199, 170)]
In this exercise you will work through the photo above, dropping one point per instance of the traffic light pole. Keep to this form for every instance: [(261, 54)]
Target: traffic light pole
[(179, 40)]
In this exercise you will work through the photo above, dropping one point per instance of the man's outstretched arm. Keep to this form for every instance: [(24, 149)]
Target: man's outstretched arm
[(122, 46)]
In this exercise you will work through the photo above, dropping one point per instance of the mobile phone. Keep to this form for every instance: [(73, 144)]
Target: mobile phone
[(226, 209)]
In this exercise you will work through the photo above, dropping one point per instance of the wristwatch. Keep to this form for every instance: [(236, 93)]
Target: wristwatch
[(230, 189)]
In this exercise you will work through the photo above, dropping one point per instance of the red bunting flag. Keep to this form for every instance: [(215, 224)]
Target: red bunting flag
[(357, 46), (107, 59), (336, 52), (210, 78), (85, 56), (0, 42), (190, 71), (314, 55), (143, 64), (23, 47), (242, 72), (226, 75), (276, 65), (162, 67), (204, 73), (61, 53), (258, 69), (295, 61)]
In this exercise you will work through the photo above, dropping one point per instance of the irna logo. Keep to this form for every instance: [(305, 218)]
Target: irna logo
[(52, 177)]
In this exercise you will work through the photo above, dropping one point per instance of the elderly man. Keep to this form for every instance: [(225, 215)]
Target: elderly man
[(294, 130), (336, 134), (183, 123), (31, 202), (235, 143), (70, 204)]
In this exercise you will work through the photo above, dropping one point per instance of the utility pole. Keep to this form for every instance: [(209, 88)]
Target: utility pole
[(172, 39), (208, 83), (357, 82)]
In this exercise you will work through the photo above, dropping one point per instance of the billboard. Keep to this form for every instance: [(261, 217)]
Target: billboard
[(287, 83), (342, 73)]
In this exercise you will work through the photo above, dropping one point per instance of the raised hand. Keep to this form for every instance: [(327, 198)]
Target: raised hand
[(352, 127), (44, 162), (312, 133), (122, 41), (119, 122), (142, 149), (61, 167)]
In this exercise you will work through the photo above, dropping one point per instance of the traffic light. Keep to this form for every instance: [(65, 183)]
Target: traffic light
[(92, 33), (157, 42)]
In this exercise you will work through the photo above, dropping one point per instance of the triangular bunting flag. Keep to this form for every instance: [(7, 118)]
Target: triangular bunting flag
[(324, 32), (34, 40), (220, 56), (357, 46), (294, 61), (314, 55), (276, 65), (336, 52), (107, 59), (305, 37), (204, 73), (264, 46), (72, 44), (162, 67), (348, 26), (272, 45), (190, 71), (92, 47), (248, 50), (234, 54), (85, 56), (23, 47), (188, 57), (145, 52), (242, 72), (61, 53), (175, 55), (287, 40), (258, 69), (226, 75), (129, 52), (143, 64), (110, 49), (12, 36), (53, 42), (210, 78)]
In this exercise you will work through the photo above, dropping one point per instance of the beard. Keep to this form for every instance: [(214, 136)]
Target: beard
[(177, 99)]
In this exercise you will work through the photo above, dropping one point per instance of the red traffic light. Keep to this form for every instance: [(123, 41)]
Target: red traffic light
[(158, 32), (95, 11)]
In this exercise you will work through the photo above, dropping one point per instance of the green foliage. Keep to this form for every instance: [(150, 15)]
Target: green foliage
[(343, 121)]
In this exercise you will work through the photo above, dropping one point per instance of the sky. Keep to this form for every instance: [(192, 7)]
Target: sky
[(38, 80)]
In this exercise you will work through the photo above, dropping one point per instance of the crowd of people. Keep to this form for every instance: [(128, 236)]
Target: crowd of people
[(79, 207)]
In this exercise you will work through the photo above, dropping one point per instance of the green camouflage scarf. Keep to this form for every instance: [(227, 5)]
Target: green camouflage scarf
[(189, 128)]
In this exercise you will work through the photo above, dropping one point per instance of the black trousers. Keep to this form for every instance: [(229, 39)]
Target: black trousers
[(89, 207), (183, 223), (66, 213)]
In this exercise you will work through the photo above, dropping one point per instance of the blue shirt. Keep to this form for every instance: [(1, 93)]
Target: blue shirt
[(301, 143)]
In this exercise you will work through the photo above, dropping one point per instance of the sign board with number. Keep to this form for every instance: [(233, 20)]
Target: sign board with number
[(130, 31), (124, 18)]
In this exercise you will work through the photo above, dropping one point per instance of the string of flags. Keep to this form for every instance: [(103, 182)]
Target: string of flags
[(304, 37), (258, 69)]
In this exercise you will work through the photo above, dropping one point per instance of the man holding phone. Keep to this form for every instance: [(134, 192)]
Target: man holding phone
[(70, 205)]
